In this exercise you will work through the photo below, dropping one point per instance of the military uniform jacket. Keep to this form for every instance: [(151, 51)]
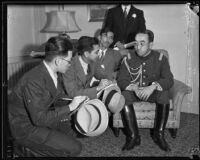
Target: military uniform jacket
[(111, 62), (153, 68), (77, 83), (31, 105), (125, 30)]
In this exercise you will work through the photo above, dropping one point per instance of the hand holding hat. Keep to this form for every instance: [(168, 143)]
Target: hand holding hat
[(104, 83), (77, 101)]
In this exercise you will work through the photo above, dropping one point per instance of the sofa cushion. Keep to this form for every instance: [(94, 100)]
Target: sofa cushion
[(147, 106)]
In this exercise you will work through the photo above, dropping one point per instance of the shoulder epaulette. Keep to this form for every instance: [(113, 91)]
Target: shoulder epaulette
[(160, 57)]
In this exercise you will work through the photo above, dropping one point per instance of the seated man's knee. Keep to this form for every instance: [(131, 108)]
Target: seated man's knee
[(129, 97), (163, 97)]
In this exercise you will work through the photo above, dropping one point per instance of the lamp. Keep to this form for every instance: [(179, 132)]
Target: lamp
[(61, 22)]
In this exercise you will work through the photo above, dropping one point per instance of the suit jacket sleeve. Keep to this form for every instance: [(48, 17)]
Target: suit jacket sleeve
[(166, 81), (73, 86), (142, 25), (108, 20), (38, 101), (118, 60)]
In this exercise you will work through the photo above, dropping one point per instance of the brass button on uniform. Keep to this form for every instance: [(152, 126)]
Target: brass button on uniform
[(64, 120)]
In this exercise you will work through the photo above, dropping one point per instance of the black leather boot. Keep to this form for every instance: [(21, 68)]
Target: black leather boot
[(131, 128), (162, 112)]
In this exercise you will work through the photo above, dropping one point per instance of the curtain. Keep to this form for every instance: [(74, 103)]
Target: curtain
[(192, 70)]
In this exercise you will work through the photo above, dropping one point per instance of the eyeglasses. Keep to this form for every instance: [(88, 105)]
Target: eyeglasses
[(67, 60)]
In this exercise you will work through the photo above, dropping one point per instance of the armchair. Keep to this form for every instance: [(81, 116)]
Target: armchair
[(145, 111)]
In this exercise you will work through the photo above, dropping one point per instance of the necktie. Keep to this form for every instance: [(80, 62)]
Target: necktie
[(88, 70), (125, 13)]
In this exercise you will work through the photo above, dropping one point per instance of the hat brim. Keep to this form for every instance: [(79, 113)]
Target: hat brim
[(103, 118), (116, 101)]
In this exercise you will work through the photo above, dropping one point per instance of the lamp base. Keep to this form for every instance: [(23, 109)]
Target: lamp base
[(64, 35)]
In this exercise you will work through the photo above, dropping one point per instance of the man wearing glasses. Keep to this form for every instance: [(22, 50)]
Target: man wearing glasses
[(145, 76), (38, 123)]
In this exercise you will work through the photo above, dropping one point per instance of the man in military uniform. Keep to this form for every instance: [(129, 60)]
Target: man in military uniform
[(145, 76)]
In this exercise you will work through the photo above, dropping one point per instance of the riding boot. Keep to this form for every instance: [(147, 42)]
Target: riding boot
[(162, 112), (131, 128)]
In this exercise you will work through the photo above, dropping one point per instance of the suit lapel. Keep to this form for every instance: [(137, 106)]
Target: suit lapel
[(49, 81), (90, 75), (121, 17), (131, 11), (106, 56), (79, 70)]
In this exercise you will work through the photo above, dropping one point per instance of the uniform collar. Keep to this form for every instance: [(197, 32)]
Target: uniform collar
[(146, 57)]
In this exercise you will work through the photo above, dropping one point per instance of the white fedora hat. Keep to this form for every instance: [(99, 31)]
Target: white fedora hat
[(92, 118), (112, 98)]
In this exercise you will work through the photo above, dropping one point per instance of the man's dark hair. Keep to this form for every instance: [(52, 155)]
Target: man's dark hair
[(57, 46), (86, 43), (105, 30), (149, 33)]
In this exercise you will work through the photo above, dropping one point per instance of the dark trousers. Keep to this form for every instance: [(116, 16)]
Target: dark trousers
[(161, 97), (60, 142)]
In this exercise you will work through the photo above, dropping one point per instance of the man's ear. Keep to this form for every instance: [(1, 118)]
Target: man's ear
[(86, 54), (151, 45), (57, 61), (99, 37)]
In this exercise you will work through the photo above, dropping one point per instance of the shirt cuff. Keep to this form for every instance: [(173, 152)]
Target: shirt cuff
[(158, 87)]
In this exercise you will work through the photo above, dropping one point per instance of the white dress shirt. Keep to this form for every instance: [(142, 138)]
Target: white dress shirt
[(102, 53), (84, 65), (127, 8), (52, 74)]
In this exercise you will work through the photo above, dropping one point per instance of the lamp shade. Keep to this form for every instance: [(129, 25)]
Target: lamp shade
[(61, 22)]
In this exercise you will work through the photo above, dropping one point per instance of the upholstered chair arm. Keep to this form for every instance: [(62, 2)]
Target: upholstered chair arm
[(177, 93)]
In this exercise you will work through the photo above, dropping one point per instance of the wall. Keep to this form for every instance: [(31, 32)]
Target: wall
[(24, 23), (168, 21)]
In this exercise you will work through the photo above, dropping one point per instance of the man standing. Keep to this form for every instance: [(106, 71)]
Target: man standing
[(37, 120), (125, 21), (146, 76)]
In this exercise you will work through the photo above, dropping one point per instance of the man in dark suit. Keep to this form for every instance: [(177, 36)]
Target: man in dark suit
[(77, 80), (145, 76), (37, 120), (125, 21)]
